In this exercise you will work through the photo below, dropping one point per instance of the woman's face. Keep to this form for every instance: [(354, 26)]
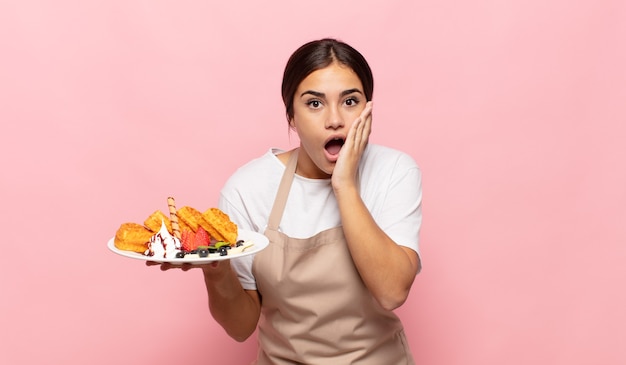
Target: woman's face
[(325, 105)]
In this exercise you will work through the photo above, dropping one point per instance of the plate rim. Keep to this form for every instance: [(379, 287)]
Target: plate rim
[(258, 246)]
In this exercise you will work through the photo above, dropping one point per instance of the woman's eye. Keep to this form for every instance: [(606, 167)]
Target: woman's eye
[(351, 101), (314, 104)]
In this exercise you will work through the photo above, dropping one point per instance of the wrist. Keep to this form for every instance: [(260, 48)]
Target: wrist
[(216, 271), (346, 193)]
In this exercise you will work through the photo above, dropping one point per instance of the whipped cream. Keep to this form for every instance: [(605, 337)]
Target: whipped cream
[(163, 244)]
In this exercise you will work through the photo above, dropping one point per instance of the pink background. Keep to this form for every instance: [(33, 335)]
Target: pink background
[(515, 110)]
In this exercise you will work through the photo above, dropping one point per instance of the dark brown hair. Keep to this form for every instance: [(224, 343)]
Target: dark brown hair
[(319, 54)]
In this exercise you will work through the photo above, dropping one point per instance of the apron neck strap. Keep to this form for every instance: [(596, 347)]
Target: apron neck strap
[(283, 191)]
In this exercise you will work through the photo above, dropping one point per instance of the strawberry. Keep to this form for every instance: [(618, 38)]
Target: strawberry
[(202, 237), (187, 240)]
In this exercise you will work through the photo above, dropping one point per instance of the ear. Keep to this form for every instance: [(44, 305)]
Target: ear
[(292, 123)]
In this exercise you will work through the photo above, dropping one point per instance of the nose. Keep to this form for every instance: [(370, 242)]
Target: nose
[(334, 119)]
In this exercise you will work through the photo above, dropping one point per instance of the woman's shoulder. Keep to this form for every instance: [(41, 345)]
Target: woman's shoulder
[(266, 161), (383, 167), (379, 156), (256, 171)]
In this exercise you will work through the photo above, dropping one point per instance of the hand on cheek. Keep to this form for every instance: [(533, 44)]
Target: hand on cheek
[(344, 173)]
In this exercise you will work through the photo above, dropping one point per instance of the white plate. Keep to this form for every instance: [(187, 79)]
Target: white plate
[(259, 241)]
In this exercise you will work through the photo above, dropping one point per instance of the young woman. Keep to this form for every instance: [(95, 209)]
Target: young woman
[(343, 218)]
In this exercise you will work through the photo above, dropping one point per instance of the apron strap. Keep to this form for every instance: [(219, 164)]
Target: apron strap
[(283, 192)]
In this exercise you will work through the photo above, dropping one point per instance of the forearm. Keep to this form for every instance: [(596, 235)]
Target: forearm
[(235, 309), (387, 269)]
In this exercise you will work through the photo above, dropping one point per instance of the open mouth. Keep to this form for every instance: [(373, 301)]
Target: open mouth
[(334, 146)]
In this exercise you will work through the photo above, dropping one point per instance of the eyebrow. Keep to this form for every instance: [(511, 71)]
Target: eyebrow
[(322, 95)]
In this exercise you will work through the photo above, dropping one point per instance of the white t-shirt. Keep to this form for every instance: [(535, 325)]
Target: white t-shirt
[(390, 186)]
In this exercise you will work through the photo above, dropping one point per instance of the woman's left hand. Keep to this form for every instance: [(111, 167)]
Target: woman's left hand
[(344, 174)]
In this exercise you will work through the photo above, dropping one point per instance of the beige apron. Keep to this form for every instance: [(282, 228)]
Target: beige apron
[(315, 308)]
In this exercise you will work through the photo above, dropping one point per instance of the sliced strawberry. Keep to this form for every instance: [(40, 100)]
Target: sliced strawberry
[(187, 240), (202, 237)]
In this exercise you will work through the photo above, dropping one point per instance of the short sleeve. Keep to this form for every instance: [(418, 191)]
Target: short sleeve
[(242, 266), (393, 194)]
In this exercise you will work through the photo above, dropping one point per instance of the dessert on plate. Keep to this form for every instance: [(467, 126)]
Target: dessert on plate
[(186, 232)]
